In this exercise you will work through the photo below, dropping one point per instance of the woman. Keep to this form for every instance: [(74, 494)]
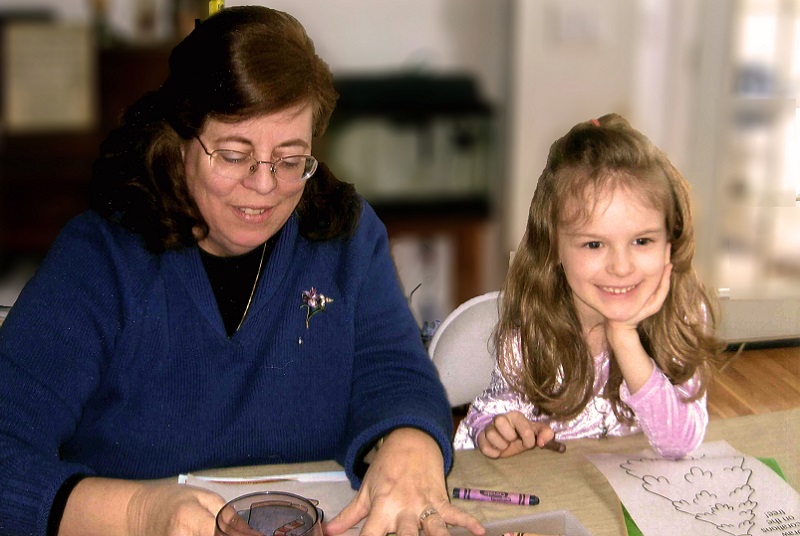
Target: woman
[(226, 302)]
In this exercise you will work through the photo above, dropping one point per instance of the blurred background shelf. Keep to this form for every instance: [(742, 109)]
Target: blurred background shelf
[(44, 174)]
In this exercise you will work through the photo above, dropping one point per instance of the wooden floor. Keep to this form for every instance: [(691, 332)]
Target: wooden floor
[(756, 381)]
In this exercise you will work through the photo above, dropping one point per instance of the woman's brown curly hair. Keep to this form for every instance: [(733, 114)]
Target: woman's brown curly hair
[(239, 63)]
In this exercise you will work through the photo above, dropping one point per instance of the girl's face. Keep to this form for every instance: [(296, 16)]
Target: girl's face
[(242, 214), (614, 261)]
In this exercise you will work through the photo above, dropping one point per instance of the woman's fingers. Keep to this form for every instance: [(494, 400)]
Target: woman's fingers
[(453, 515), (355, 511), (432, 523)]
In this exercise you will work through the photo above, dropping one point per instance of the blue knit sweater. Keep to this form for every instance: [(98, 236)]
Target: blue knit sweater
[(115, 362)]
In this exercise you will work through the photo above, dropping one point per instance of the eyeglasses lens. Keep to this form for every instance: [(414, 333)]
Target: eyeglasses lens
[(238, 166)]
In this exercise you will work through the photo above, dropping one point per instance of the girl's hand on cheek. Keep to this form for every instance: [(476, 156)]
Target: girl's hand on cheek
[(650, 307), (623, 334)]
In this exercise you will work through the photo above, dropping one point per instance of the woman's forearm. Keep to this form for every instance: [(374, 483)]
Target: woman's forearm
[(98, 506), (111, 507)]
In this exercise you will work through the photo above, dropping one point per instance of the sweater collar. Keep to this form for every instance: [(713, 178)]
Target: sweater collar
[(187, 267)]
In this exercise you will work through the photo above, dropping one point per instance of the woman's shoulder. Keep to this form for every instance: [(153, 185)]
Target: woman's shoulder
[(90, 256), (368, 218), (92, 227), (370, 234), (368, 227), (90, 238)]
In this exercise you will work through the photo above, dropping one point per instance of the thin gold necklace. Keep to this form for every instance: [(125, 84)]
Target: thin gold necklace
[(255, 284)]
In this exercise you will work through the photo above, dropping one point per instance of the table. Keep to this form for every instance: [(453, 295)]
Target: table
[(569, 481)]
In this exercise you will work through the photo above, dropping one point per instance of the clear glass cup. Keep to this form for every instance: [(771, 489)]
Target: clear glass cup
[(269, 513)]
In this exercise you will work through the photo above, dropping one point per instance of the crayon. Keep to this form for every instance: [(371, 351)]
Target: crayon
[(556, 446), (495, 496), (525, 534)]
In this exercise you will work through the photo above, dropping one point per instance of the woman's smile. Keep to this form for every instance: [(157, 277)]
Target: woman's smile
[(252, 214)]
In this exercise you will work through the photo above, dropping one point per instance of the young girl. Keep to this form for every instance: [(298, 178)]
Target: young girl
[(604, 327)]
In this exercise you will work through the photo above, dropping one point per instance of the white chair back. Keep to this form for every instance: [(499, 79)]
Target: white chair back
[(462, 348)]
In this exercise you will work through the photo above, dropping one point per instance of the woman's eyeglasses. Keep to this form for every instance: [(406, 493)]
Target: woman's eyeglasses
[(236, 165)]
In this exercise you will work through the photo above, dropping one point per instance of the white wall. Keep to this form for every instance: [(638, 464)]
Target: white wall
[(121, 13), (425, 35), (64, 9), (571, 61)]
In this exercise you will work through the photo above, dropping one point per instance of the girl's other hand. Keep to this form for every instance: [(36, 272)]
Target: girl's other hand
[(511, 433)]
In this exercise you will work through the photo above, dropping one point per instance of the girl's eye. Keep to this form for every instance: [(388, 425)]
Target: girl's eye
[(643, 241), (592, 245)]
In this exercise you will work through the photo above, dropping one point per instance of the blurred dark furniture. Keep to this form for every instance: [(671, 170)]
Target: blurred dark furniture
[(439, 185), (44, 177)]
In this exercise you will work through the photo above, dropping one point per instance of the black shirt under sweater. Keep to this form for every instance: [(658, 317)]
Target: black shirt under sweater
[(232, 280)]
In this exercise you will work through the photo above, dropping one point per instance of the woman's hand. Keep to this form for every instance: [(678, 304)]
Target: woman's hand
[(511, 433), (405, 479), (105, 506), (173, 509)]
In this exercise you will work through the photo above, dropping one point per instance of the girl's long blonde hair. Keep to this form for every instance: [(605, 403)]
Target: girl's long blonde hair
[(557, 370)]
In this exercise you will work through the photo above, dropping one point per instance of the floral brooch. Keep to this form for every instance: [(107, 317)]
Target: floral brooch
[(314, 302)]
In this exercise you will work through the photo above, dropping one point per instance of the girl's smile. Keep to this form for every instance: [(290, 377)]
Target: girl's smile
[(617, 290)]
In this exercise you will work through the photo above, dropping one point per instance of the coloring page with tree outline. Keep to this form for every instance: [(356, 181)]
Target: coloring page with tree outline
[(715, 491)]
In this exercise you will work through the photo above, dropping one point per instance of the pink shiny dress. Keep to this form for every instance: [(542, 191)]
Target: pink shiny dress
[(673, 426)]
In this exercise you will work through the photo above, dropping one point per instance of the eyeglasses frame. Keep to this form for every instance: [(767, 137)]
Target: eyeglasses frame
[(259, 162)]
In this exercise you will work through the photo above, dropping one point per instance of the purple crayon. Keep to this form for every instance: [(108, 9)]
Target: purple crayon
[(494, 496)]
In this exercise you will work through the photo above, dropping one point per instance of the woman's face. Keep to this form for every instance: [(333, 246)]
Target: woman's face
[(242, 214), (614, 261)]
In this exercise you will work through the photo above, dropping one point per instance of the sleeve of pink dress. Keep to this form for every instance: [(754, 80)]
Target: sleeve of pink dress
[(673, 426)]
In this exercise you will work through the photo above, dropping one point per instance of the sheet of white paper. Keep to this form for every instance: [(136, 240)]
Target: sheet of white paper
[(716, 491), (330, 488), (320, 476)]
